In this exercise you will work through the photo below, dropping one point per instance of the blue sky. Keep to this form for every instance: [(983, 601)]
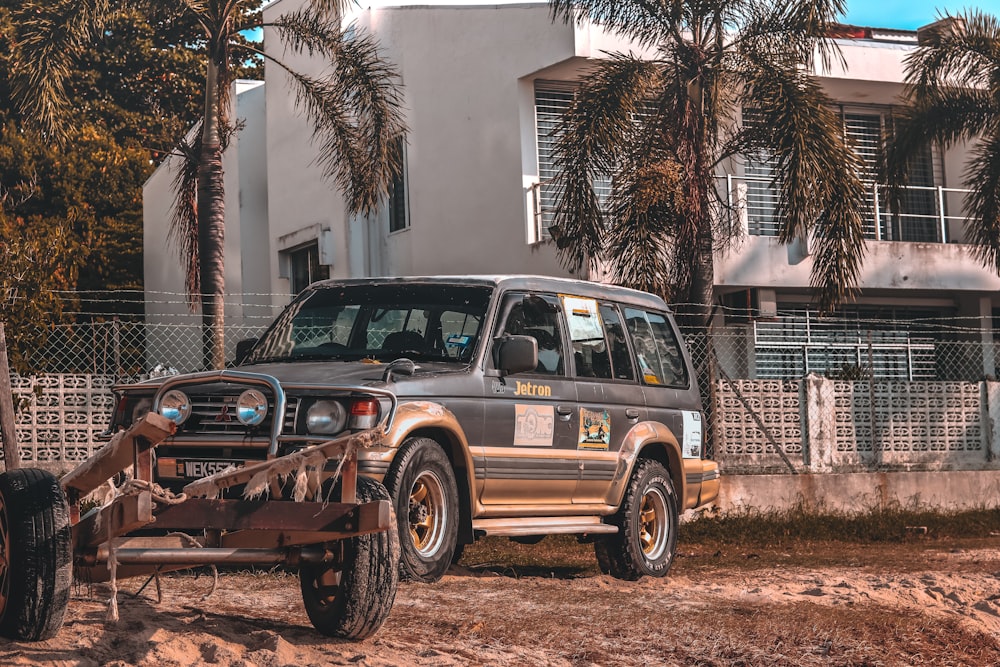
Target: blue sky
[(909, 14)]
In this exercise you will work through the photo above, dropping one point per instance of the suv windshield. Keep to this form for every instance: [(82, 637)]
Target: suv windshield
[(383, 322)]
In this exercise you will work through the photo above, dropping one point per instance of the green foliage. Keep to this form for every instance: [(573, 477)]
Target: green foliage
[(71, 213), (354, 106)]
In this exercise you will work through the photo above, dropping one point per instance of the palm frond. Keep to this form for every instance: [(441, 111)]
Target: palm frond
[(964, 52), (646, 211), (840, 247), (644, 21), (983, 229), (49, 38), (356, 110), (183, 232), (589, 138)]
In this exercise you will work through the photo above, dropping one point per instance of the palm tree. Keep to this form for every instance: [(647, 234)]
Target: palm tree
[(953, 94), (661, 126), (355, 110)]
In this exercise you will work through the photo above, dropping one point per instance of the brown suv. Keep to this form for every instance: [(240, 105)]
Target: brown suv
[(520, 406)]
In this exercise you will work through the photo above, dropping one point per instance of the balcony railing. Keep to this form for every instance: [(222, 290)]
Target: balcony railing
[(928, 214)]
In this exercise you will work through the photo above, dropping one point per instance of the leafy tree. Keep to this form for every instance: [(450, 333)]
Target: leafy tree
[(355, 108), (88, 190), (953, 94), (661, 126)]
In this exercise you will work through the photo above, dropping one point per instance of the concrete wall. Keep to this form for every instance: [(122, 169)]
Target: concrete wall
[(761, 261), (860, 492)]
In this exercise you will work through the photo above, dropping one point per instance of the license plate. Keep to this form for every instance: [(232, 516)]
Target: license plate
[(199, 469)]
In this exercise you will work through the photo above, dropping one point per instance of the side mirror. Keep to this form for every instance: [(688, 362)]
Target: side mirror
[(243, 349), (516, 354)]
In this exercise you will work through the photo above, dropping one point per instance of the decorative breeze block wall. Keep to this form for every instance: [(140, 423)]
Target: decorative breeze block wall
[(61, 415)]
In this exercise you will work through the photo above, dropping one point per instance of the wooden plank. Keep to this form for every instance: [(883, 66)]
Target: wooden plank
[(117, 455), (8, 429), (123, 515), (212, 484), (371, 518), (203, 514)]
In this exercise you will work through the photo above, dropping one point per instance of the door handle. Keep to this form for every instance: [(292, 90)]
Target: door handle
[(632, 413), (564, 411)]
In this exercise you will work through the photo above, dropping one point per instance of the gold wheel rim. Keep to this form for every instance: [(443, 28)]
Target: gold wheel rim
[(652, 524), (428, 513)]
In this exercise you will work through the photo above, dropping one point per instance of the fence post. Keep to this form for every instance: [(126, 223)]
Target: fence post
[(117, 349), (8, 430)]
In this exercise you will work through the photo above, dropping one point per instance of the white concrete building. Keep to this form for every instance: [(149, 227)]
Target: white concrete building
[(483, 87)]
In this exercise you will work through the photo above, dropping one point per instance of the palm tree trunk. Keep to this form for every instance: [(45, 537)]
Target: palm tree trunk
[(211, 227)]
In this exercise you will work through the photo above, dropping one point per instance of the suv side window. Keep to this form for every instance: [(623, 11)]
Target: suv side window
[(656, 349), (537, 316), (614, 331), (587, 336)]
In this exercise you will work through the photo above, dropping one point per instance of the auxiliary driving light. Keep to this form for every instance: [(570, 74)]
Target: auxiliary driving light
[(251, 407), (175, 406)]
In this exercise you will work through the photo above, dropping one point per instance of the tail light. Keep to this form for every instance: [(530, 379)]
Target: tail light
[(364, 413)]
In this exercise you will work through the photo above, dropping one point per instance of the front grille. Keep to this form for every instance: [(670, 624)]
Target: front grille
[(213, 414)]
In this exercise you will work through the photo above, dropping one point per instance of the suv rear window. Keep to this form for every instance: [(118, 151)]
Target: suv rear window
[(656, 349)]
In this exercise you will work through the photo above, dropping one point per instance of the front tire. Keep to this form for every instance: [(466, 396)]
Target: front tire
[(36, 555), (352, 596), (422, 484), (647, 527)]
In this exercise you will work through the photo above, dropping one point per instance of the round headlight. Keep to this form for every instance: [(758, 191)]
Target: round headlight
[(251, 407), (326, 417), (141, 408), (175, 406)]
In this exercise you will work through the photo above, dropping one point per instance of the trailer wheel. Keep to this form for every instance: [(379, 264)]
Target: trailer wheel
[(36, 555), (647, 527), (351, 597)]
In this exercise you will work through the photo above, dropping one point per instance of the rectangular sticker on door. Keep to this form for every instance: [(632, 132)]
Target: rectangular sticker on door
[(595, 429), (692, 434), (533, 425)]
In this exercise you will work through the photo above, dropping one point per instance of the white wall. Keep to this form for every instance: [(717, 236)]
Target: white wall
[(246, 248), (468, 74)]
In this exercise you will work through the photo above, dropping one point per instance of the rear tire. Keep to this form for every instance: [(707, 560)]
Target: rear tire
[(36, 555), (647, 527), (352, 596), (422, 484)]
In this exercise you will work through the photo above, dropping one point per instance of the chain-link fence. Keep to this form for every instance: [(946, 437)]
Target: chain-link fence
[(881, 379), (757, 350)]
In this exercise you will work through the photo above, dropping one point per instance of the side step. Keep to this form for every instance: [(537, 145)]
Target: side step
[(542, 525)]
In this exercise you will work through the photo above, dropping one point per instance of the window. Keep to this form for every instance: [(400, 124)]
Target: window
[(656, 349), (304, 267), (552, 100), (864, 130), (538, 317), (398, 205), (590, 349), (917, 220), (621, 360), (884, 342), (380, 322), (762, 191)]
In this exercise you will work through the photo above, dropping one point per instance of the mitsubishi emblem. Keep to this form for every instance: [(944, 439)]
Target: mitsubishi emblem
[(224, 415)]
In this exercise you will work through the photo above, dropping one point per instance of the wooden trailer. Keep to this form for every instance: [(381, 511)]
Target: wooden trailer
[(333, 529)]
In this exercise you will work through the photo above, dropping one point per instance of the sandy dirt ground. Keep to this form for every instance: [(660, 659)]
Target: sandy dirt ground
[(934, 605)]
